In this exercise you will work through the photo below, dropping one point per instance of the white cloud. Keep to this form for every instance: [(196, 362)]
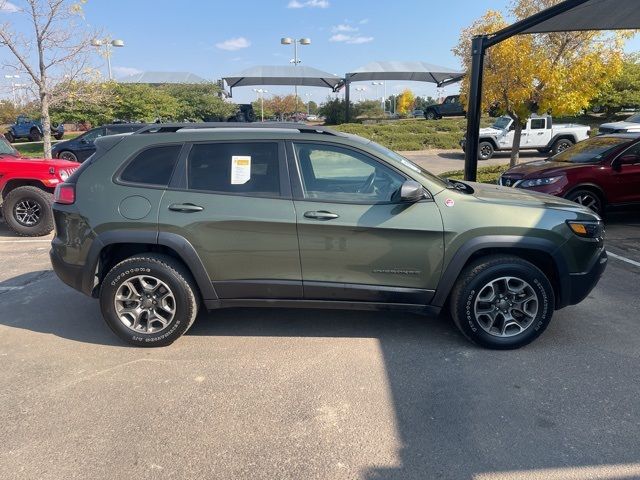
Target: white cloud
[(308, 3), (233, 44), (8, 7), (344, 27), (126, 71), (352, 39), (363, 21)]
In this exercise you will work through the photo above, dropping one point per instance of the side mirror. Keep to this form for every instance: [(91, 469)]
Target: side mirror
[(411, 191)]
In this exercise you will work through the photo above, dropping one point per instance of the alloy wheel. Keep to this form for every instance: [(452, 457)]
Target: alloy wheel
[(588, 200), (27, 212), (145, 304), (506, 306)]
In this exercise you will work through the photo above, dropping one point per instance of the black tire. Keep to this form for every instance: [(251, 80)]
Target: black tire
[(587, 198), (544, 150), (27, 211), (561, 145), (67, 155), (485, 150), (474, 280), (431, 115), (58, 136), (174, 276), (35, 135), (9, 136)]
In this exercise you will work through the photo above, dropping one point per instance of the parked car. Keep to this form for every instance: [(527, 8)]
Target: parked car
[(450, 107), (174, 217), (24, 127), (540, 133), (26, 190), (417, 113), (630, 125), (80, 148), (601, 172)]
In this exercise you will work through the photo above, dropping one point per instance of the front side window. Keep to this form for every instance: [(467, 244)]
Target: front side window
[(236, 168), (538, 124), (91, 135), (153, 166), (338, 174)]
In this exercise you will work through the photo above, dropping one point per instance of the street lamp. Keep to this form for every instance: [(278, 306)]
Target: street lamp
[(108, 44), (295, 60), (383, 99), (13, 86), (260, 96)]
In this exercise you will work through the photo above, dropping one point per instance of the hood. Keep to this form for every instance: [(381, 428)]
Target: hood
[(542, 168), (490, 131), (47, 162), (631, 126), (496, 194)]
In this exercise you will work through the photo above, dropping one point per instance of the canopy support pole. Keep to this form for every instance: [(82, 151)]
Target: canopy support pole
[(347, 102)]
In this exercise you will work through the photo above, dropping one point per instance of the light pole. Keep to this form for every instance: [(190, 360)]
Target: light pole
[(260, 96), (107, 44), (360, 90), (383, 99), (295, 60), (12, 78)]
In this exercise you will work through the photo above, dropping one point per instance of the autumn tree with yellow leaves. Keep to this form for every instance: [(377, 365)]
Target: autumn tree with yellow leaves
[(558, 73), (405, 102)]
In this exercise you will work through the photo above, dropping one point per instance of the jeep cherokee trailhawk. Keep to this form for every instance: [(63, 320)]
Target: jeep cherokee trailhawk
[(180, 216)]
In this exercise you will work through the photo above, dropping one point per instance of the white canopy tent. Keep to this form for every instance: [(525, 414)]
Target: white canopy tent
[(283, 75)]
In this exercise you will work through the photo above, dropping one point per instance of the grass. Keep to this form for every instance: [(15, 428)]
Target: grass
[(36, 149), (485, 174)]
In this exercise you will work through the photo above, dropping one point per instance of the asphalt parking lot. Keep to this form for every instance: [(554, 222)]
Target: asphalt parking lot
[(304, 394)]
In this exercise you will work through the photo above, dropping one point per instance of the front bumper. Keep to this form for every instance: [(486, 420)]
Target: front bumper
[(581, 284)]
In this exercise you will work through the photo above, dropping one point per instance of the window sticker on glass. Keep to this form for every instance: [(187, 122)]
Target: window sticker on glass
[(240, 169)]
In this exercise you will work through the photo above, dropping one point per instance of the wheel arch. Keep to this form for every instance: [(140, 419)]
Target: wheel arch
[(22, 182), (491, 140), (562, 136), (110, 248), (540, 252), (591, 187)]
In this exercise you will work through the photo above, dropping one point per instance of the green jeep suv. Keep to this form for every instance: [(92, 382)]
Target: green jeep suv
[(175, 217)]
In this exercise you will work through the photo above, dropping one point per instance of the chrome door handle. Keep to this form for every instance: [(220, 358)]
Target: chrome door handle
[(321, 215), (185, 207)]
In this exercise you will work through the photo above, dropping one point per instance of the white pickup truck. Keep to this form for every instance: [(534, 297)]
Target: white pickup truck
[(539, 134)]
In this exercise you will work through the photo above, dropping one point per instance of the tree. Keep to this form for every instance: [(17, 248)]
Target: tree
[(405, 102), (54, 46), (140, 102), (200, 102), (84, 102), (281, 106), (333, 110), (624, 89), (422, 103), (368, 109), (312, 107), (559, 73)]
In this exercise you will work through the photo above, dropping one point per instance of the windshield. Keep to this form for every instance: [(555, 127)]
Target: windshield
[(395, 156), (590, 151), (7, 149), (634, 118), (502, 123)]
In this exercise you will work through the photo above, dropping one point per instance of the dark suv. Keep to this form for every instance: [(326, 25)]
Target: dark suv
[(450, 107), (174, 217), (80, 148)]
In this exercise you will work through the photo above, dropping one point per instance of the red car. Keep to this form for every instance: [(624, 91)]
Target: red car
[(26, 189), (599, 172)]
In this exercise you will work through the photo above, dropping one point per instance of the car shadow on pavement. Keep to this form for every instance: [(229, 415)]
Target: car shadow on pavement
[(37, 301)]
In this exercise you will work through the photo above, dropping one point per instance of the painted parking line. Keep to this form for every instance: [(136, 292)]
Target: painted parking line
[(9, 289), (624, 259)]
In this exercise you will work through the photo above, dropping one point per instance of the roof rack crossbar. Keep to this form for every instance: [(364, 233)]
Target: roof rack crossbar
[(174, 127)]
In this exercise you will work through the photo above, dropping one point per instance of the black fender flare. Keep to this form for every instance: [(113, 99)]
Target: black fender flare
[(186, 253), (496, 242), (559, 136)]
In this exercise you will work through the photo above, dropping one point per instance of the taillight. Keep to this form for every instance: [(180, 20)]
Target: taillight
[(65, 194)]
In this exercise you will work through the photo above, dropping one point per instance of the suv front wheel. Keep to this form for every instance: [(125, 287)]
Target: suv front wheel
[(149, 300), (502, 302)]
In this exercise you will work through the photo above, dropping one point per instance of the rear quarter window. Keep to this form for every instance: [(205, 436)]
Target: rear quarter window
[(153, 166)]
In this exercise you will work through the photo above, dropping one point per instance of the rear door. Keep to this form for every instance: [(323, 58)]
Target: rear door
[(232, 202), (357, 243)]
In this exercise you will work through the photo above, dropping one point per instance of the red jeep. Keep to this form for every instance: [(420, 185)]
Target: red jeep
[(26, 190)]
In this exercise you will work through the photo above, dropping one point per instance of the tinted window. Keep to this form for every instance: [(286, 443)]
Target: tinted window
[(590, 151), (241, 168), (339, 174), (152, 166), (91, 135), (538, 123)]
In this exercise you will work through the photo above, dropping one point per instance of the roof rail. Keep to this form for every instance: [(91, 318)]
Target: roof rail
[(174, 127)]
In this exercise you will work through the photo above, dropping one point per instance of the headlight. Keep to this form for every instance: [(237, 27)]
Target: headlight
[(587, 229), (538, 182), (63, 175)]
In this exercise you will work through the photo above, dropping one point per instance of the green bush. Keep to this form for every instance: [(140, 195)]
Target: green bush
[(485, 174)]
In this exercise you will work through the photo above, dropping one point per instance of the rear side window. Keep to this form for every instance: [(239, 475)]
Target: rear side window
[(238, 168), (152, 166)]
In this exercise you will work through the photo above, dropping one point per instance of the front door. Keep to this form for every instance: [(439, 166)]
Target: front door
[(234, 206), (357, 242), (626, 176)]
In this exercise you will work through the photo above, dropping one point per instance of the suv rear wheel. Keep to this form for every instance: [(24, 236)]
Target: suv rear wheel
[(149, 300), (502, 302), (27, 211), (431, 115), (35, 135), (561, 145), (68, 155)]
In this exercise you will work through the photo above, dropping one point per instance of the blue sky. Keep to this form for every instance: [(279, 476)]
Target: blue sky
[(216, 37)]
